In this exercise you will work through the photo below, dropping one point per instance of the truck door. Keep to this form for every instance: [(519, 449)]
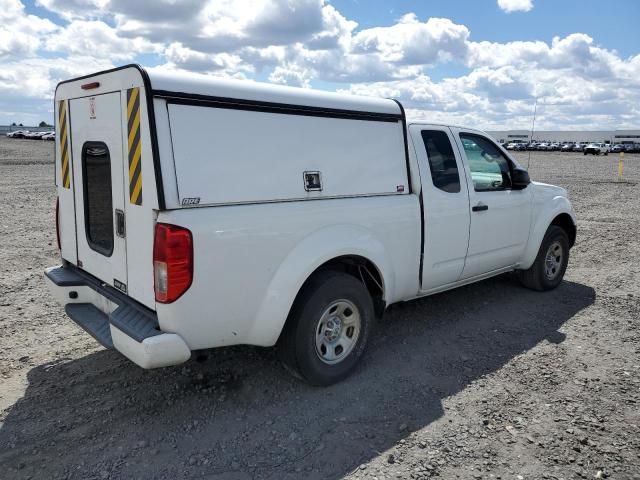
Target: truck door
[(446, 205), (98, 177), (500, 216)]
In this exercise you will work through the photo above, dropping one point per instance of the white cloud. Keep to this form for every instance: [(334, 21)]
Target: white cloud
[(579, 83), (413, 42), (289, 74), (96, 38), (20, 34), (185, 58), (27, 86), (515, 5), (70, 9), (227, 25)]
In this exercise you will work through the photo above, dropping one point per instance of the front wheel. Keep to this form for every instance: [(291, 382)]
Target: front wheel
[(328, 328), (551, 262)]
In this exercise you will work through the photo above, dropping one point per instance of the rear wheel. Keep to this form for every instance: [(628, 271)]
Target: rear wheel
[(550, 264), (328, 328)]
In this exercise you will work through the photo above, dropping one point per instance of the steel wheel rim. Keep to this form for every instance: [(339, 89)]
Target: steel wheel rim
[(337, 331), (553, 260)]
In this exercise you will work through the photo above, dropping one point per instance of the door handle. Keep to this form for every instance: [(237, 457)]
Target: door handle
[(481, 207), (120, 224)]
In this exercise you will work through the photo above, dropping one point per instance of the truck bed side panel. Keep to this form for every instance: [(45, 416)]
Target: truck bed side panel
[(239, 249)]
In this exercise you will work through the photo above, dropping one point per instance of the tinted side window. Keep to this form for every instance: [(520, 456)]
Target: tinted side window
[(442, 161), (98, 208), (489, 168)]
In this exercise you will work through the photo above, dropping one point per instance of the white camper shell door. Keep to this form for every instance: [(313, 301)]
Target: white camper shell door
[(98, 171)]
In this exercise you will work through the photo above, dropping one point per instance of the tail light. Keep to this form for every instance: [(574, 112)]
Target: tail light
[(172, 262), (58, 222)]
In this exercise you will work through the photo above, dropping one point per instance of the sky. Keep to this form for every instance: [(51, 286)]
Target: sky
[(478, 63)]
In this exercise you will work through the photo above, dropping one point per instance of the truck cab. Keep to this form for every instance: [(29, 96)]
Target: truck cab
[(196, 213), (482, 215)]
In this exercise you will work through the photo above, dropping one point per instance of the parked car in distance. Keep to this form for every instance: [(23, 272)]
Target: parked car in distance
[(555, 146), (596, 149), (246, 225), (17, 134), (35, 135), (578, 147), (49, 136), (543, 146), (567, 147), (520, 147), (618, 148), (532, 146)]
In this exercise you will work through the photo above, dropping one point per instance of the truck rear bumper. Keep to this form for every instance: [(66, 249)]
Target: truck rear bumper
[(115, 320)]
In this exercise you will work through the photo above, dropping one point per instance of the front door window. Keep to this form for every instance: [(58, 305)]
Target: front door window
[(490, 170)]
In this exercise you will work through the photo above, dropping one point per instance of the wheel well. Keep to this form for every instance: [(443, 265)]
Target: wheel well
[(565, 222), (365, 271)]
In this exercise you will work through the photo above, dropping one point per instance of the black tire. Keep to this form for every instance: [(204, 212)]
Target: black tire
[(536, 277), (606, 153), (585, 153), (297, 344)]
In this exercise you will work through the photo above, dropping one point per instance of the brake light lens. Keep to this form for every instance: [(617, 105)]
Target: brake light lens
[(58, 222), (90, 86), (172, 262)]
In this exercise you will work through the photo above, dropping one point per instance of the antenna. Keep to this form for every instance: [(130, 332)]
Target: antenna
[(533, 126)]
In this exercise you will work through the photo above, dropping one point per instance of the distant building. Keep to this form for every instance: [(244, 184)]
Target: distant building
[(606, 136)]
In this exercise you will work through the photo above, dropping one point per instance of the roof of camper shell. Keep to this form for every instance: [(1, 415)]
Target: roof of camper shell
[(198, 84)]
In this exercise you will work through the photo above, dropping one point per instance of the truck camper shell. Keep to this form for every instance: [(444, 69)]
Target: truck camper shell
[(218, 141)]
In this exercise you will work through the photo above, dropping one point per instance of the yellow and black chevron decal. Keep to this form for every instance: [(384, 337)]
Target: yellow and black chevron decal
[(135, 147), (64, 144)]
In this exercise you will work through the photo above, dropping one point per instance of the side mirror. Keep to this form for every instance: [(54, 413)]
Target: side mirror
[(519, 179)]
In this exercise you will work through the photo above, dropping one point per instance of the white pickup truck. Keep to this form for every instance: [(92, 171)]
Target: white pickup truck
[(597, 149), (196, 212)]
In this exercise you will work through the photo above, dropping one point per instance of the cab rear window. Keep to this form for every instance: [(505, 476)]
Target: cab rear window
[(442, 161)]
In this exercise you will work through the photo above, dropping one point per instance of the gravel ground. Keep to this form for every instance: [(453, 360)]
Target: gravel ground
[(488, 381)]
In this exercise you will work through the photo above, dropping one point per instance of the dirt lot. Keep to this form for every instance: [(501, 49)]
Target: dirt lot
[(488, 381)]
